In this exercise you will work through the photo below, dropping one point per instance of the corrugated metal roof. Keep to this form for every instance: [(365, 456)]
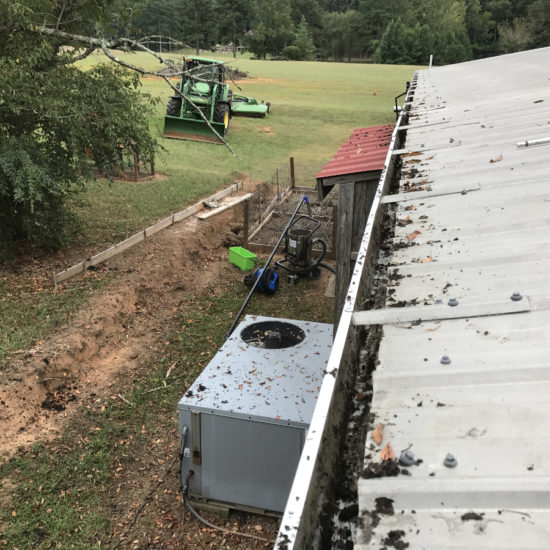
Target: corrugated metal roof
[(364, 151), (489, 405)]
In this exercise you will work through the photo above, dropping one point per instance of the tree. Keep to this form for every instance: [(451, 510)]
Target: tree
[(375, 16), (273, 28), (538, 19), (304, 41), (341, 31), (233, 20), (515, 36), (197, 20), (393, 48), (58, 123)]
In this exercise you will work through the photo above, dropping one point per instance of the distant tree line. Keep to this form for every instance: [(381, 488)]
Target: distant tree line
[(390, 31)]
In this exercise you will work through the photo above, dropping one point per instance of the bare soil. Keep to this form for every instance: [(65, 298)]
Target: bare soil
[(84, 362)]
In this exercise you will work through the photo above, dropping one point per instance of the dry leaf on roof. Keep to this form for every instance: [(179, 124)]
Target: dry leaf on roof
[(498, 159), (426, 260), (415, 161), (410, 207), (413, 235), (377, 433), (430, 158), (387, 453), (538, 101)]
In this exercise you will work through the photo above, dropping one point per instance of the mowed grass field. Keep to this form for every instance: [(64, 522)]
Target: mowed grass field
[(314, 108)]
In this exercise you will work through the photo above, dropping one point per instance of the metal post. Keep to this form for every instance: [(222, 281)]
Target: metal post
[(431, 59), (292, 176)]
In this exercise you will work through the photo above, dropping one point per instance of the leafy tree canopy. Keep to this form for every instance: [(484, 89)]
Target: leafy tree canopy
[(59, 124)]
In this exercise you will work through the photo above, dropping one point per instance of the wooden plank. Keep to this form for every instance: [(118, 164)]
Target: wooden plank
[(439, 312), (155, 228), (117, 249), (419, 195), (68, 273), (261, 226), (224, 207), (182, 214)]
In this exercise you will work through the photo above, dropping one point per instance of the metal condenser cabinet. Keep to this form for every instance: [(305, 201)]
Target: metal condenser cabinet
[(248, 413)]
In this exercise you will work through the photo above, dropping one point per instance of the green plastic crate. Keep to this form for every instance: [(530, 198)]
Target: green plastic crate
[(241, 257)]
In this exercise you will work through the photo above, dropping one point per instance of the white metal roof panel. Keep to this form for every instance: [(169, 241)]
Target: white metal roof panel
[(488, 407)]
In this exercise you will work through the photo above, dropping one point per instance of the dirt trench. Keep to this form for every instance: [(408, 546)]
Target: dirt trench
[(40, 391)]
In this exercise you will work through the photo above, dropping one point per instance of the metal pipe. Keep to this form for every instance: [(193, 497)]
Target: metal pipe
[(243, 307), (532, 142)]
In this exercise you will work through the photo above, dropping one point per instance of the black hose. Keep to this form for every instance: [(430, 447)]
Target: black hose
[(185, 491), (326, 266), (243, 307)]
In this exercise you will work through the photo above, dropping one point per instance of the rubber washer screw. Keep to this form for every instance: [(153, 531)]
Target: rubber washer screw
[(406, 458), (516, 296), (450, 461), (445, 360), (452, 302)]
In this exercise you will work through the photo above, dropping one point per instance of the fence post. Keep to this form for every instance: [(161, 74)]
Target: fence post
[(292, 177)]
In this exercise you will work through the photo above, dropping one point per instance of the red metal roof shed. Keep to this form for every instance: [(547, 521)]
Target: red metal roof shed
[(361, 158)]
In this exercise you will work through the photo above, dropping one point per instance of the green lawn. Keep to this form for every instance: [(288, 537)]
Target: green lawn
[(315, 106)]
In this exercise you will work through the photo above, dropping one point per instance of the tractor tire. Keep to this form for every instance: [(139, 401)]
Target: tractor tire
[(174, 106), (222, 114)]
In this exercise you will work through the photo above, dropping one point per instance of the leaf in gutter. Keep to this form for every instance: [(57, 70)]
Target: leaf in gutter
[(498, 159), (387, 453), (377, 434), (413, 235)]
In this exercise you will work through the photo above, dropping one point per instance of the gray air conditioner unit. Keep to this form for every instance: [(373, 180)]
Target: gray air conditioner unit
[(248, 413)]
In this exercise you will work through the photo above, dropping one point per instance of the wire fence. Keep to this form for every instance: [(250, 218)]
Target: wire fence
[(271, 205)]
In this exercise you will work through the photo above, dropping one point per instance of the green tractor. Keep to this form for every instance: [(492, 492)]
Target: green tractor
[(204, 85)]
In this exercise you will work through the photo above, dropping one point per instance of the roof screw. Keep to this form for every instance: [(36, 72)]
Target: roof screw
[(445, 360), (516, 296), (406, 458), (452, 302), (450, 461)]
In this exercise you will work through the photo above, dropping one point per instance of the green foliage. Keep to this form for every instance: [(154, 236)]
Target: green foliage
[(304, 41), (341, 32), (515, 36), (51, 140), (273, 29), (197, 19), (393, 47), (233, 21), (292, 52)]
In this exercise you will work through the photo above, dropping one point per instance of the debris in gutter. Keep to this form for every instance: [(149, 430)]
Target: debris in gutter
[(377, 433), (394, 539), (471, 516), (387, 453)]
